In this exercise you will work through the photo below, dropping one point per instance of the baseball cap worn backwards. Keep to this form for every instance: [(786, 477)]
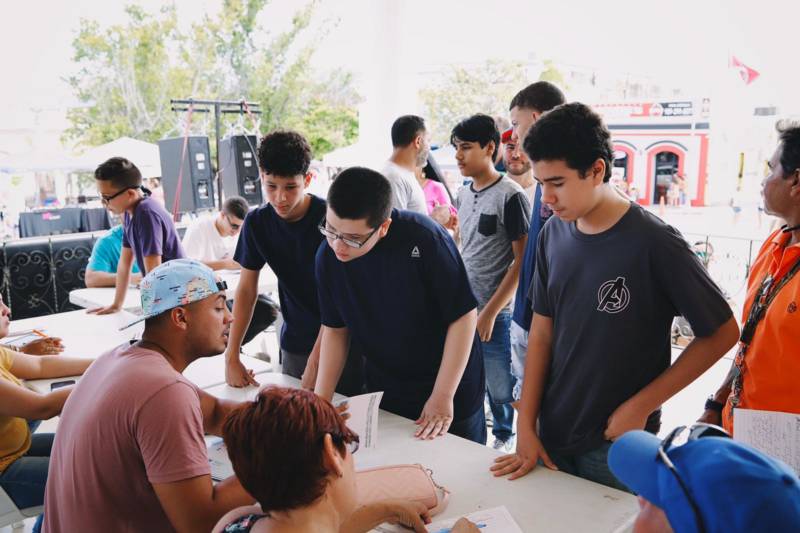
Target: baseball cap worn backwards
[(735, 487), (175, 283)]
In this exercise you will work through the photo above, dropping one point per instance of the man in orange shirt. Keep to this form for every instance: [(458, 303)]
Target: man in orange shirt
[(764, 373)]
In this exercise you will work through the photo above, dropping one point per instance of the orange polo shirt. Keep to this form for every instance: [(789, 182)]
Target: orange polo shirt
[(771, 364)]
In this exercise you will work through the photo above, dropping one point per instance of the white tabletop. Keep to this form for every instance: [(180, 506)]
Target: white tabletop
[(91, 298), (87, 335), (541, 501)]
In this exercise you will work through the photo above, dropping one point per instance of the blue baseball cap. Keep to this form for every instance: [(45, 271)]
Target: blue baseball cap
[(736, 487), (175, 283)]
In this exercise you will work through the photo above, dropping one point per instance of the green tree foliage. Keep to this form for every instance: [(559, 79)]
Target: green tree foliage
[(126, 75), (463, 91)]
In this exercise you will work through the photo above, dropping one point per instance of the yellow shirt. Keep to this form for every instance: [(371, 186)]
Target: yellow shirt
[(15, 437)]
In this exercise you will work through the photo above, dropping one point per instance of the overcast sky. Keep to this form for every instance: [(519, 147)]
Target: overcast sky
[(681, 40)]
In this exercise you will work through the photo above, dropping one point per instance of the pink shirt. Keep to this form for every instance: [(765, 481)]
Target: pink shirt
[(132, 420), (436, 194)]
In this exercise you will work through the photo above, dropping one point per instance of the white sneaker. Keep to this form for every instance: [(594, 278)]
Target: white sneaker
[(506, 446)]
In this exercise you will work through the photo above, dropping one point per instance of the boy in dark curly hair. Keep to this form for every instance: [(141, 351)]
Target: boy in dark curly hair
[(284, 234)]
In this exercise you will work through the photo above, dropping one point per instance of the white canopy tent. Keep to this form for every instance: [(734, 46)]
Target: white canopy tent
[(143, 154)]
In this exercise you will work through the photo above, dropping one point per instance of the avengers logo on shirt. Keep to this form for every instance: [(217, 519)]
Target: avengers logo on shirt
[(613, 296)]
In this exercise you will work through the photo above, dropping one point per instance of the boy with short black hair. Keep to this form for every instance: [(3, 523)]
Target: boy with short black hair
[(609, 279), (525, 109), (284, 234), (149, 233), (494, 215), (393, 282)]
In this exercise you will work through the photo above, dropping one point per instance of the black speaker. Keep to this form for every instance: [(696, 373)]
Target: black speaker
[(197, 184), (239, 168)]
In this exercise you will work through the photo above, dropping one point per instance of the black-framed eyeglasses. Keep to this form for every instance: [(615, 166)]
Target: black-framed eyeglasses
[(351, 442), (333, 236), (696, 431), (107, 199), (233, 226)]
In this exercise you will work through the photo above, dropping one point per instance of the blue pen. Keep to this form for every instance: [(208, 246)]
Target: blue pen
[(448, 530)]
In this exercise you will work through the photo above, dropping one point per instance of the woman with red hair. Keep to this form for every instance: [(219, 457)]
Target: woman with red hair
[(292, 451)]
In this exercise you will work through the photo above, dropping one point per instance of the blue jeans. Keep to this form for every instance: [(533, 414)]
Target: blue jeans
[(519, 350), (592, 465), (24, 479), (471, 428), (499, 381)]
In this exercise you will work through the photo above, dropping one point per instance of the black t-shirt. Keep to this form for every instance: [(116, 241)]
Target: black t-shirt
[(289, 249), (397, 302), (612, 298)]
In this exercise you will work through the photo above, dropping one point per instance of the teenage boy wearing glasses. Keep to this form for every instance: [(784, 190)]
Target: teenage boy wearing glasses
[(284, 234), (148, 231), (393, 282), (609, 279)]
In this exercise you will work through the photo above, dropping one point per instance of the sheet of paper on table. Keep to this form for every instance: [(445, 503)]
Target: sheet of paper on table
[(221, 467), (494, 520), (363, 419), (774, 433)]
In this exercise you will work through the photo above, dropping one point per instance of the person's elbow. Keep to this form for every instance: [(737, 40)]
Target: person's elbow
[(96, 279), (725, 337), (45, 407)]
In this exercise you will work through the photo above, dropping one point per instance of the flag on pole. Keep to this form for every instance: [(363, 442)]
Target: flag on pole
[(747, 74)]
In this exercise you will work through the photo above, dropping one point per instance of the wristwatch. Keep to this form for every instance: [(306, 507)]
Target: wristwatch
[(713, 405)]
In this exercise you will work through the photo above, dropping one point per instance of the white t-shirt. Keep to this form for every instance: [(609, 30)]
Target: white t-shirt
[(204, 243), (407, 192)]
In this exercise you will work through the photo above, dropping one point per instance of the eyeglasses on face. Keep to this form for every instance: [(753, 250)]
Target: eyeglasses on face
[(232, 225), (696, 431), (107, 199), (351, 443), (357, 242)]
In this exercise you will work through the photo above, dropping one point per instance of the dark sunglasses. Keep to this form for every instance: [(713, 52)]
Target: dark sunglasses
[(696, 431), (233, 226)]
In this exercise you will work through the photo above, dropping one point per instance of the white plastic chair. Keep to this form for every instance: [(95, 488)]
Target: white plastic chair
[(11, 514)]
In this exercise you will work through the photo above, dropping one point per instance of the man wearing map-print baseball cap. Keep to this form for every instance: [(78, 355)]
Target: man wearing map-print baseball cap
[(130, 441)]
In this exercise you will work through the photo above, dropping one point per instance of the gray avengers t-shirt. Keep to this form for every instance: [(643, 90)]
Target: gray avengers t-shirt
[(490, 220)]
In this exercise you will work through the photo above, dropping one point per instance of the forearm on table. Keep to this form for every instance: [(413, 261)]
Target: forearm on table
[(223, 264), (333, 355), (537, 364), (696, 358), (457, 349), (243, 305), (56, 366)]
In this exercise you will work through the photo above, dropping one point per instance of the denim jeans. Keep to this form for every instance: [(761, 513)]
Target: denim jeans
[(519, 349), (471, 428), (592, 465), (499, 381), (24, 479)]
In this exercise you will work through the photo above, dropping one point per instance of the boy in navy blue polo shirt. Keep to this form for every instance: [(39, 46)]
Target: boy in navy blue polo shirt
[(609, 279), (284, 234), (393, 282)]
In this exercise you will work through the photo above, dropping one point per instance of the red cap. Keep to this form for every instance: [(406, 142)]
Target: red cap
[(506, 136)]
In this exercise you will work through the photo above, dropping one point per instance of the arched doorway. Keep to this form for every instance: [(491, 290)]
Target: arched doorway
[(667, 165)]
